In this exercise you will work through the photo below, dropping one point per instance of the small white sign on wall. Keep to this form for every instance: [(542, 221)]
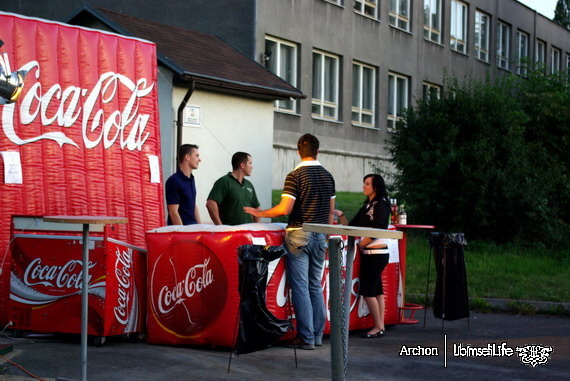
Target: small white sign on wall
[(192, 116), (154, 169), (12, 167)]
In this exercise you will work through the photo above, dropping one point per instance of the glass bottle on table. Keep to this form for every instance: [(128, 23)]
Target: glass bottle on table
[(402, 216), (394, 214)]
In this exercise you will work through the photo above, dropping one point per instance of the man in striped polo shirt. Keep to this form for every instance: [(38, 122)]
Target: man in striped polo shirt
[(308, 196)]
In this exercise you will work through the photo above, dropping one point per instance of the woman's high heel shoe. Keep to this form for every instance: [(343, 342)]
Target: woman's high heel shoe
[(376, 335)]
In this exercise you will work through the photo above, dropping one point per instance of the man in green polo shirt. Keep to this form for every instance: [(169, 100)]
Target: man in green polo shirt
[(232, 192)]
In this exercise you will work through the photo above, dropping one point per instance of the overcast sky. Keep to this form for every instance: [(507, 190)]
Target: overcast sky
[(545, 7)]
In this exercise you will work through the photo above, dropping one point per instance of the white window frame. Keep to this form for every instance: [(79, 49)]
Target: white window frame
[(555, 56), (397, 101), (399, 16), (320, 103), (432, 32), (367, 8), (458, 33), (522, 52), (358, 88), (503, 51), (540, 52), (428, 88), (289, 105), (481, 35)]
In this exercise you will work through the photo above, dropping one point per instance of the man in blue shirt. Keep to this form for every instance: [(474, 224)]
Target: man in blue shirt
[(180, 188)]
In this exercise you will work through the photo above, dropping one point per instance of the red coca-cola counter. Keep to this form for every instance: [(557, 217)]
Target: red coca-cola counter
[(193, 294), (46, 276)]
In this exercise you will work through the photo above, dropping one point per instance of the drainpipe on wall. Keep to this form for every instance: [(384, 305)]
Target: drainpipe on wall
[(533, 59), (179, 116)]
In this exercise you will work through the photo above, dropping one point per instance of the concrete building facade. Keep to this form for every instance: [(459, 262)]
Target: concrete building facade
[(360, 63)]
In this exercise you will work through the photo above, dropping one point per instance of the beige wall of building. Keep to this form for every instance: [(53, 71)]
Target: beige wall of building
[(228, 124)]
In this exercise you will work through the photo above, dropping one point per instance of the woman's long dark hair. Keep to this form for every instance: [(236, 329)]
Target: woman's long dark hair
[(379, 187)]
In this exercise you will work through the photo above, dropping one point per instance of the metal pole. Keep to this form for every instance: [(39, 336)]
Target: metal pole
[(84, 301), (337, 362), (347, 296), (427, 284)]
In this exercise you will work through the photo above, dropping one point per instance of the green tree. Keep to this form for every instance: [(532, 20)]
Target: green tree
[(546, 102), (488, 158), (562, 13)]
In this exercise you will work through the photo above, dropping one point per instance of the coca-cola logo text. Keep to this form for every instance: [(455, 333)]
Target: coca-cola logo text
[(188, 288), (66, 108), (123, 273), (197, 279), (68, 276)]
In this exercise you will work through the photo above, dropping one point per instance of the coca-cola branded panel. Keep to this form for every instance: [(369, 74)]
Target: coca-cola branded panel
[(46, 277), (360, 318), (193, 294), (84, 130)]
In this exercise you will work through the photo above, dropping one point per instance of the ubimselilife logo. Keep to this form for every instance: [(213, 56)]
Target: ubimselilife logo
[(531, 355), (534, 355)]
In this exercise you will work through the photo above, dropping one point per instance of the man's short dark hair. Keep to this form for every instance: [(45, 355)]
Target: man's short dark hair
[(308, 146), (238, 158), (185, 149)]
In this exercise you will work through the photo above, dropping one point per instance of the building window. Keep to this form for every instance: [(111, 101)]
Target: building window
[(554, 60), (281, 59), (458, 31), (540, 52), (367, 8), (503, 38), (397, 98), (568, 63), (399, 14), (431, 90), (522, 47), (482, 24), (363, 94), (432, 20), (325, 85)]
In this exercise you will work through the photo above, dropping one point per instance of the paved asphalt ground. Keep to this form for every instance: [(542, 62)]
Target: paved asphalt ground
[(58, 357)]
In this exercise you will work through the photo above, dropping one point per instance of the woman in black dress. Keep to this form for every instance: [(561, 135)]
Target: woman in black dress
[(375, 213)]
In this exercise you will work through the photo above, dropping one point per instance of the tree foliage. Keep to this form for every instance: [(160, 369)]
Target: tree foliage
[(562, 13), (489, 159)]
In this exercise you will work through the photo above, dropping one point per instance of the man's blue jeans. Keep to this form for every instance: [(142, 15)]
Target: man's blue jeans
[(305, 263)]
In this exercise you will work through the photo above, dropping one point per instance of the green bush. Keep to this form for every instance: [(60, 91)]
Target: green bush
[(489, 159)]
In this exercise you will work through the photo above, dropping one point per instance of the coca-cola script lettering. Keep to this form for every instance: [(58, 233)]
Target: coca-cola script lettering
[(67, 107), (197, 279), (68, 276), (123, 273), (187, 289)]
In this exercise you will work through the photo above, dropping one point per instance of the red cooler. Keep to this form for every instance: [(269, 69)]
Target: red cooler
[(193, 280), (193, 292), (46, 276)]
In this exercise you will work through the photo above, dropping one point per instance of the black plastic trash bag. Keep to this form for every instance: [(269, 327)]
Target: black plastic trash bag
[(451, 301), (258, 327)]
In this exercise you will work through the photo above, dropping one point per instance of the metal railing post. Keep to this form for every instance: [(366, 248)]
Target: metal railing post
[(335, 259)]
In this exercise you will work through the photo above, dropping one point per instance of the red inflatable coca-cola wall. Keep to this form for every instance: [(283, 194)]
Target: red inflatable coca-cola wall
[(83, 137), (192, 287)]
